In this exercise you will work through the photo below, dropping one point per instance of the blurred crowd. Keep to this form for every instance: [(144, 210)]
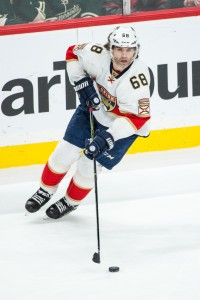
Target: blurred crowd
[(24, 11)]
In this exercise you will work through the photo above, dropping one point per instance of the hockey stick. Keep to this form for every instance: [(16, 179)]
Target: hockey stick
[(96, 256)]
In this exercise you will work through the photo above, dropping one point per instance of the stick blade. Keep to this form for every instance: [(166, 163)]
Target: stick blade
[(96, 258)]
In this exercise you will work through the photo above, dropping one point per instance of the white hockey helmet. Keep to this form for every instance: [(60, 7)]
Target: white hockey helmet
[(124, 36)]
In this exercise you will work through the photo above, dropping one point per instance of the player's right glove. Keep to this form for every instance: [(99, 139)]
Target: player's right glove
[(87, 93), (102, 142)]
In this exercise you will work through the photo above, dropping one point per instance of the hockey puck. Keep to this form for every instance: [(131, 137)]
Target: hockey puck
[(114, 269)]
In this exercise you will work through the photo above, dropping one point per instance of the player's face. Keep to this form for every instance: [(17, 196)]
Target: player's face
[(122, 57)]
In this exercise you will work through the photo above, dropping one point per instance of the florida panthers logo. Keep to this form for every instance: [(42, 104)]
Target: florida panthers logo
[(108, 100)]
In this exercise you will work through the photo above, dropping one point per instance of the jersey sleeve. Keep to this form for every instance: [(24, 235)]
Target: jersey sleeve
[(74, 68), (84, 60)]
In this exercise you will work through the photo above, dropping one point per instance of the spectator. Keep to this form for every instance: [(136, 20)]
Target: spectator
[(183, 3), (111, 7), (23, 11), (70, 9), (14, 12), (29, 11), (63, 9), (148, 5), (191, 3), (7, 14)]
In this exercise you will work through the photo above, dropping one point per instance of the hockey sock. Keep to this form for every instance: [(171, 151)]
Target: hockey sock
[(50, 178), (76, 193)]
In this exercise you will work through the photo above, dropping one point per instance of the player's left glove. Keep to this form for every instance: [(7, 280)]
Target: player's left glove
[(102, 142), (87, 93)]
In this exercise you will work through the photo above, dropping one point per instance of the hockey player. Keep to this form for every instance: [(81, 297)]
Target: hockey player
[(115, 82)]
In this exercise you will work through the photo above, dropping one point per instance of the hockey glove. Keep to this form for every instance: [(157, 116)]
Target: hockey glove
[(87, 93), (102, 142)]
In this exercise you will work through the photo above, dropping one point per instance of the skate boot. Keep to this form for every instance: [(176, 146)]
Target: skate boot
[(40, 198), (60, 208)]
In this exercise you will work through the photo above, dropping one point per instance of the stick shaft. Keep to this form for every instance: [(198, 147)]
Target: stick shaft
[(95, 183)]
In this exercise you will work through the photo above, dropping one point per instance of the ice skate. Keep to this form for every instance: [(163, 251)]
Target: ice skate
[(39, 199), (60, 208)]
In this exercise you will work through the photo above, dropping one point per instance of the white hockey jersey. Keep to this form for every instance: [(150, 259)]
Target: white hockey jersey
[(125, 96)]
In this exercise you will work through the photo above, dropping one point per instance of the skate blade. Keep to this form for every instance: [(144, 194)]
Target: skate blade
[(26, 213)]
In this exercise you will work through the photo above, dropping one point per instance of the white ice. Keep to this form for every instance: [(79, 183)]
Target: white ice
[(149, 209)]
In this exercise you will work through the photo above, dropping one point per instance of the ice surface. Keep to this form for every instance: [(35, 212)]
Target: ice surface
[(149, 226)]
